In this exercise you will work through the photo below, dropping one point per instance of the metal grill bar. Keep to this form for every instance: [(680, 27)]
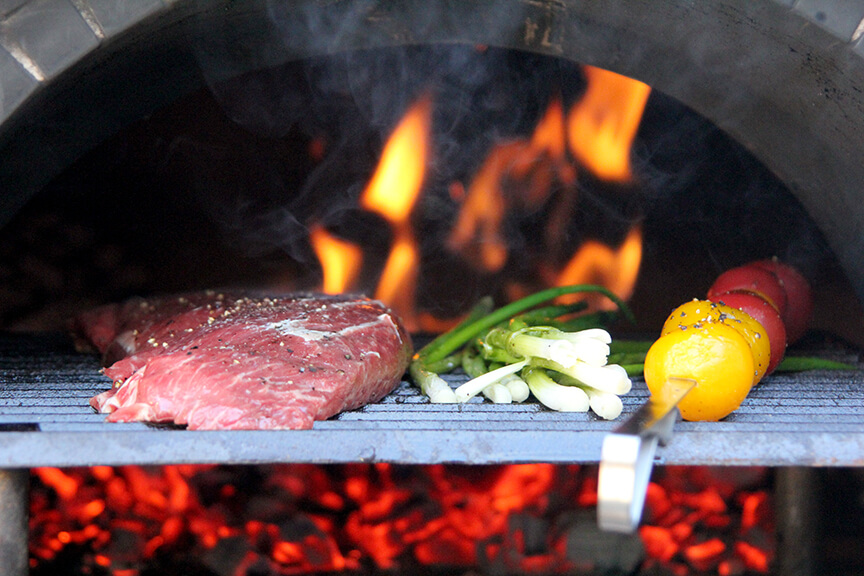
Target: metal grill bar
[(810, 419)]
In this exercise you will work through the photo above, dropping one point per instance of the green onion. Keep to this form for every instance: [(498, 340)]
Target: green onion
[(446, 364), (802, 363), (551, 344), (473, 364), (605, 404), (498, 393), (590, 320), (631, 346), (554, 395), (450, 341), (633, 370), (518, 388), (611, 378), (476, 385), (634, 364), (432, 385), (493, 346), (546, 314)]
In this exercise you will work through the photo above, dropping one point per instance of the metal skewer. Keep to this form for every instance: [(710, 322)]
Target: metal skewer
[(627, 458)]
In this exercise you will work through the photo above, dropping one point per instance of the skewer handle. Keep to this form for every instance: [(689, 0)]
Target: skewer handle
[(627, 458)]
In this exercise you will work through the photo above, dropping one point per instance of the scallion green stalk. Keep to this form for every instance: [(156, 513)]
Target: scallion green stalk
[(451, 341), (473, 364), (545, 315)]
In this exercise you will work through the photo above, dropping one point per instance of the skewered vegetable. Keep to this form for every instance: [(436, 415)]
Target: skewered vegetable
[(799, 296), (713, 354), (702, 340), (764, 314), (752, 279), (698, 312)]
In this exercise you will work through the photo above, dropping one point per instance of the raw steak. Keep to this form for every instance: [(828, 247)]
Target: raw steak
[(228, 361)]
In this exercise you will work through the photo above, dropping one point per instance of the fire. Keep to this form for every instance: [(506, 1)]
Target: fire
[(392, 193), (398, 179), (601, 127), (519, 178), (596, 263), (477, 233), (534, 163), (340, 260), (306, 519)]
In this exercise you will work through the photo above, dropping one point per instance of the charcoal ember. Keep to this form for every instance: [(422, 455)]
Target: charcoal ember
[(268, 508), (732, 567), (707, 554), (298, 528), (125, 548), (72, 560), (228, 555), (654, 567), (593, 549)]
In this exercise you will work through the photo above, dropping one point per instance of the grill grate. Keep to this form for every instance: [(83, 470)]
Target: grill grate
[(812, 419)]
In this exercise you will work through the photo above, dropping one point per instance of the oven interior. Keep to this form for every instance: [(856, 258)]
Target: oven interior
[(216, 181)]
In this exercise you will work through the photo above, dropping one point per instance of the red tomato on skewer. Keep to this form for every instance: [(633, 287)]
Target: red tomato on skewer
[(749, 278), (799, 296), (766, 315)]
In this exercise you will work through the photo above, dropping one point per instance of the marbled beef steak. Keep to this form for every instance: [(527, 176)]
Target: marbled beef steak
[(229, 361)]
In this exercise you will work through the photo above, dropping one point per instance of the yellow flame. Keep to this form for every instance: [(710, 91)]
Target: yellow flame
[(515, 175), (392, 192), (340, 260), (602, 125), (597, 263), (398, 284), (397, 181)]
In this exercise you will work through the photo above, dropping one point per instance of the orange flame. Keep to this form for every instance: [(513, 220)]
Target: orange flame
[(596, 263), (392, 193), (477, 233), (518, 175), (602, 125), (549, 134), (340, 260), (535, 163)]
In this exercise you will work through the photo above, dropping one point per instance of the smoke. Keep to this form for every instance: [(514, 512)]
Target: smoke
[(707, 192), (279, 69), (283, 70)]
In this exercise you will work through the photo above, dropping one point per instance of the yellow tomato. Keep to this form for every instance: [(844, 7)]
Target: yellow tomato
[(704, 311), (713, 354)]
